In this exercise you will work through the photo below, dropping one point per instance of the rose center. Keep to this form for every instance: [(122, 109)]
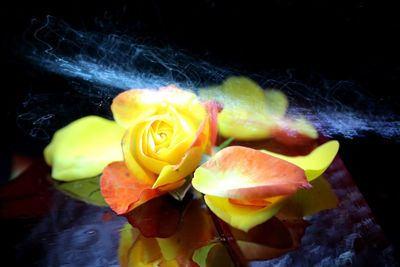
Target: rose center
[(160, 132)]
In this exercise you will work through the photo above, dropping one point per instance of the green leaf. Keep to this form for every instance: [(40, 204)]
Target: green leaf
[(87, 190), (226, 143), (307, 202), (212, 255)]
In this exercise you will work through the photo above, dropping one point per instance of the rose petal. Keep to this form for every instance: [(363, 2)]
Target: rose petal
[(214, 254), (128, 146), (293, 132), (183, 243), (84, 148), (140, 145), (243, 217), (270, 239), (245, 173), (122, 191), (174, 173), (159, 217), (190, 161), (213, 108), (247, 113), (277, 102), (134, 105), (128, 237), (307, 202), (147, 153), (183, 133), (149, 251), (141, 252), (245, 124), (315, 163), (237, 92)]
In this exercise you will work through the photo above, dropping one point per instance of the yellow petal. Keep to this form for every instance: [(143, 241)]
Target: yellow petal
[(196, 229), (189, 162), (315, 163), (84, 148), (245, 124), (141, 145), (307, 202), (179, 135), (244, 92), (248, 112), (138, 252), (131, 105), (243, 217), (171, 263), (173, 173), (128, 237), (128, 147), (212, 255), (298, 125), (135, 105), (277, 102), (158, 142)]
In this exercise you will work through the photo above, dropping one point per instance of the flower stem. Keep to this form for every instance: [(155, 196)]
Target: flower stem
[(229, 241)]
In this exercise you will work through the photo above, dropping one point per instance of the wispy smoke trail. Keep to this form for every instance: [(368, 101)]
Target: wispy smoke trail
[(115, 61), (110, 63)]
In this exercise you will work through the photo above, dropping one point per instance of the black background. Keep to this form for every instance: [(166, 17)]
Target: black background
[(338, 40)]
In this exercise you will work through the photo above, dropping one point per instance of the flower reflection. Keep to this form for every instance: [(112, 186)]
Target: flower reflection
[(195, 231)]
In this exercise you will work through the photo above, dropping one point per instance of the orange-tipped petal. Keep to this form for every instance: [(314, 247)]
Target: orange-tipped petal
[(122, 191), (315, 163), (244, 173)]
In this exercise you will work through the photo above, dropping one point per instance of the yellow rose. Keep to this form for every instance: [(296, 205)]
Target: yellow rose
[(167, 132), (163, 135)]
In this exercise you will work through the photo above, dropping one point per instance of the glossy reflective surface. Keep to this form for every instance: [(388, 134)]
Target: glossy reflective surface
[(41, 226)]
